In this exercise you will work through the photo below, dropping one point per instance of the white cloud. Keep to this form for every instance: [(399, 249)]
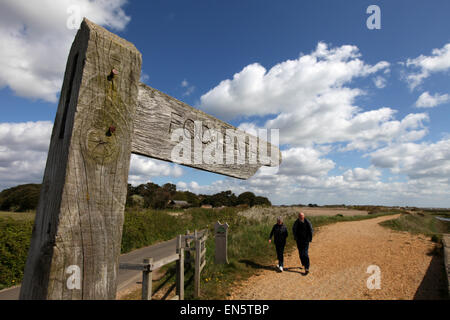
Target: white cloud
[(362, 174), (312, 101), (416, 160), (143, 169), (439, 61), (289, 85), (304, 162), (23, 152), (429, 101), (304, 177), (36, 41)]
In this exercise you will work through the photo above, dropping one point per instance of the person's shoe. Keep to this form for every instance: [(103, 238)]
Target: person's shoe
[(306, 271), (278, 266), (281, 268)]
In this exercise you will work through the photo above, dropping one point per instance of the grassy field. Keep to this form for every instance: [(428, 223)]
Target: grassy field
[(17, 215)]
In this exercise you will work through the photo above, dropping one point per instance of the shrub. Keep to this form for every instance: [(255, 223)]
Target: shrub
[(20, 198), (15, 236)]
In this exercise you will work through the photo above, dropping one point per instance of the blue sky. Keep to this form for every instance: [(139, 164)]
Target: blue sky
[(363, 114)]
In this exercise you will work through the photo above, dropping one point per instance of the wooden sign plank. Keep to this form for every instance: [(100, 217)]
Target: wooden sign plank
[(76, 240), (159, 115)]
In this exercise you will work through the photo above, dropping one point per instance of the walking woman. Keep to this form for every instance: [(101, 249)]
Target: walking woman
[(280, 233)]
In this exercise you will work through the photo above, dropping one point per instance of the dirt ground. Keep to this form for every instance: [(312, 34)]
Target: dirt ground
[(340, 256)]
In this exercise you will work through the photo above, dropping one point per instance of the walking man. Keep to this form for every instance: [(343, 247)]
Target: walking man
[(280, 233), (303, 233)]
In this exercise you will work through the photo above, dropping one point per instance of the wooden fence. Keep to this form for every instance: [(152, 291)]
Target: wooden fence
[(184, 243)]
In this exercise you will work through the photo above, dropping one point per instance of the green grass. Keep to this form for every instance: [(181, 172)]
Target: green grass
[(15, 235), (421, 223), (17, 215)]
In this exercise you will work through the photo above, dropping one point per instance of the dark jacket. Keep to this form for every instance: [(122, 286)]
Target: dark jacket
[(302, 232), (280, 233)]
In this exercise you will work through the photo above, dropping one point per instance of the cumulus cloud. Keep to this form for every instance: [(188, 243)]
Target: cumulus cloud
[(23, 152), (36, 41), (142, 169), (362, 174), (289, 85), (438, 61), (304, 162), (416, 160), (302, 97), (429, 101)]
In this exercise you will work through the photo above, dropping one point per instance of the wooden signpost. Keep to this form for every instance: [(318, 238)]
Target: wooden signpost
[(104, 115)]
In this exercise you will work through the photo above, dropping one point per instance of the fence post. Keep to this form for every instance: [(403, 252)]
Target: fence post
[(180, 269), (188, 252), (147, 280), (198, 251)]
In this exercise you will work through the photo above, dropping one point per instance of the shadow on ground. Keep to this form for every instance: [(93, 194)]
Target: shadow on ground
[(256, 265), (434, 283)]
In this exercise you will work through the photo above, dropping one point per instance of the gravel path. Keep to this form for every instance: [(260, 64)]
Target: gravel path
[(340, 255)]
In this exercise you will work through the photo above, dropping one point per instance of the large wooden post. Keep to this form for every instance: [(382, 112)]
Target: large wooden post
[(77, 234)]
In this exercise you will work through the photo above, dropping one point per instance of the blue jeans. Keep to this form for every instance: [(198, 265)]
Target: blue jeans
[(303, 253)]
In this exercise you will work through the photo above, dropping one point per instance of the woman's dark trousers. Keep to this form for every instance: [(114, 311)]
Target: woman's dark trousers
[(280, 252)]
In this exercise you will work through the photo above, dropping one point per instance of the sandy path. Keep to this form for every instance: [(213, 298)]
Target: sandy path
[(340, 255)]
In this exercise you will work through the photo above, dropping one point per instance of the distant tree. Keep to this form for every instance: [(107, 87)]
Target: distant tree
[(192, 198), (262, 201), (171, 188), (21, 198), (160, 199), (246, 198)]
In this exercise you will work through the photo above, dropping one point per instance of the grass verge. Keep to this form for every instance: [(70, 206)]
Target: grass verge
[(422, 222)]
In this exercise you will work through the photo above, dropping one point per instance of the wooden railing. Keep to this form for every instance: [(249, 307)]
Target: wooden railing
[(183, 243)]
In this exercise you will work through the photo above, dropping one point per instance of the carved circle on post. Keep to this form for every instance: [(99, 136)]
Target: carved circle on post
[(102, 130), (103, 148)]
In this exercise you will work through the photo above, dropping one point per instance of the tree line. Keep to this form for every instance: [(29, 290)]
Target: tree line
[(149, 195)]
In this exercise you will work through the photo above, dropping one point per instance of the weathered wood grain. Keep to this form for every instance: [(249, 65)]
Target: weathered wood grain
[(159, 115), (80, 213)]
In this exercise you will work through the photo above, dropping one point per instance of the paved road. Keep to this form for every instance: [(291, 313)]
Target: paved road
[(125, 278)]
